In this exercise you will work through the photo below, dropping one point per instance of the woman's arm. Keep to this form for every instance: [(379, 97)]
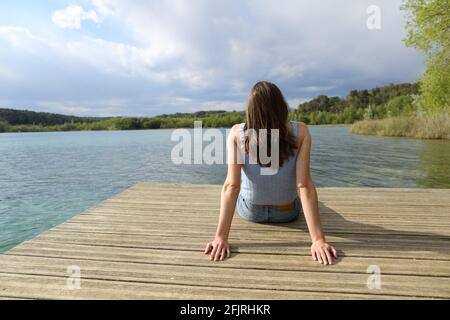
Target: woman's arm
[(219, 249), (320, 249)]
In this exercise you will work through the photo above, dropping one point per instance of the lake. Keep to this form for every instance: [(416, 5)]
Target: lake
[(46, 178)]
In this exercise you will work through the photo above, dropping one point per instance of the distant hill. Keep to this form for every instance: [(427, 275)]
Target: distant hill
[(27, 117), (197, 114), (359, 99)]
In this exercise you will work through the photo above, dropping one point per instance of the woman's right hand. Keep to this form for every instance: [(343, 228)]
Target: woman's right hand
[(219, 249), (324, 253)]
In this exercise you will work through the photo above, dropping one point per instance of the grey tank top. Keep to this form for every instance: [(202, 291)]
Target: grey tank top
[(268, 189)]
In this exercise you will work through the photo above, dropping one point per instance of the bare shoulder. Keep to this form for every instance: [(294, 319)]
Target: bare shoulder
[(302, 129), (236, 127), (302, 132), (234, 131)]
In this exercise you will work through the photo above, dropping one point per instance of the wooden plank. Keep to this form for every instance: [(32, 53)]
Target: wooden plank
[(240, 260), (47, 287), (401, 250), (210, 276), (432, 213), (270, 232), (145, 243), (329, 224), (256, 237), (346, 213), (206, 215)]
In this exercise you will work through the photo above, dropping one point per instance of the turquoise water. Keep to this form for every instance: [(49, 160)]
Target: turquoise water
[(46, 178)]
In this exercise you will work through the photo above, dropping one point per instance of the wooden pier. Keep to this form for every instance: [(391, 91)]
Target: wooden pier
[(148, 241)]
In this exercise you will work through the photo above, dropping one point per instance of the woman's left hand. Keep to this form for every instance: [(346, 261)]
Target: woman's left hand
[(324, 253)]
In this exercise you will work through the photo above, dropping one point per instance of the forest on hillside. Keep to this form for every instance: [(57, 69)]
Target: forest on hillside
[(373, 103)]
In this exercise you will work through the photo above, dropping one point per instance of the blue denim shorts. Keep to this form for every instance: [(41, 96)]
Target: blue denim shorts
[(261, 213)]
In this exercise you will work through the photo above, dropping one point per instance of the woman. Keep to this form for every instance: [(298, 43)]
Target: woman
[(269, 196)]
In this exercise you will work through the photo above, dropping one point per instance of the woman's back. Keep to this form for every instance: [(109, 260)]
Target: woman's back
[(269, 198), (262, 188)]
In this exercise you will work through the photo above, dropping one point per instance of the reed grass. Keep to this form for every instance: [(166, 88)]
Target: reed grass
[(423, 126)]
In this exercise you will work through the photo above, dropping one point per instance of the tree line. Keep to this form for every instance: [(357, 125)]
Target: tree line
[(375, 103), (27, 117)]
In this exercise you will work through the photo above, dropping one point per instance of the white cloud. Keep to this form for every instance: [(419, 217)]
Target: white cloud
[(286, 71), (293, 103), (209, 53), (71, 17), (108, 107), (111, 57), (17, 36), (318, 88), (182, 100), (104, 7)]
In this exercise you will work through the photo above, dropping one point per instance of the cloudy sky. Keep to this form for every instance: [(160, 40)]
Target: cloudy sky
[(143, 58)]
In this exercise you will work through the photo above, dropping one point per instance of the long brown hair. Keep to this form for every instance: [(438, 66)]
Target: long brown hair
[(267, 109)]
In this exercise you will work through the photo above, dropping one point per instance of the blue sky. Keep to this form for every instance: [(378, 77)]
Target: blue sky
[(143, 58)]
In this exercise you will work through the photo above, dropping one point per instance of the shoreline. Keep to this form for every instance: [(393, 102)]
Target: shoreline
[(154, 129)]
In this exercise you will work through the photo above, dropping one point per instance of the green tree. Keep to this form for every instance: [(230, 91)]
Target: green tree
[(4, 126), (428, 30), (128, 123), (402, 105), (369, 114), (152, 124)]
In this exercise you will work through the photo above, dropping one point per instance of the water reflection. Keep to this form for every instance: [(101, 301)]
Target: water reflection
[(435, 156)]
